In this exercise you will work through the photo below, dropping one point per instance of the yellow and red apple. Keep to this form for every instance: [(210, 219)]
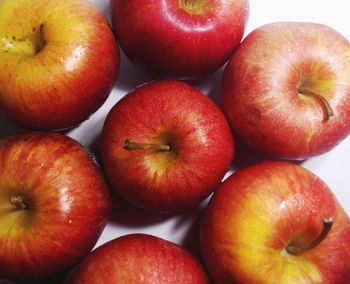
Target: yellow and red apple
[(286, 90), (166, 146), (275, 222), (54, 204), (58, 62)]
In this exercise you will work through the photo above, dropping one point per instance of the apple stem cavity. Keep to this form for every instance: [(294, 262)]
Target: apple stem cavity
[(40, 41), (131, 145), (193, 6), (310, 92), (296, 249), (18, 202)]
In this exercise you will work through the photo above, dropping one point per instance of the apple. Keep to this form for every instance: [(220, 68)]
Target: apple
[(54, 204), (275, 222), (140, 258), (58, 62), (165, 146), (286, 90), (179, 38)]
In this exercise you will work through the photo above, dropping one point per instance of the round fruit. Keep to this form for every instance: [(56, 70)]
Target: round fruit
[(286, 90), (179, 38), (58, 62), (140, 258), (166, 146), (54, 204), (275, 222)]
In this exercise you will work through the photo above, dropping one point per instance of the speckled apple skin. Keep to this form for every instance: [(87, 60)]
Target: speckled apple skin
[(258, 211), (177, 39), (72, 75), (140, 258), (174, 113), (68, 204), (260, 89)]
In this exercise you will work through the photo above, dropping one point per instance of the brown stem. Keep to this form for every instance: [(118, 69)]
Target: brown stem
[(41, 42), (310, 92), (131, 145), (18, 202), (300, 248)]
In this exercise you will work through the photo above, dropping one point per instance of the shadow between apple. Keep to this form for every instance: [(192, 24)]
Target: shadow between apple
[(191, 238), (8, 128), (59, 277), (246, 156), (124, 213), (127, 215), (130, 75)]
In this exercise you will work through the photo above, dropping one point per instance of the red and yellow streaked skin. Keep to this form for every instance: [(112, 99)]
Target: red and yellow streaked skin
[(58, 62), (174, 113), (67, 204), (258, 212), (180, 38), (140, 258), (261, 84)]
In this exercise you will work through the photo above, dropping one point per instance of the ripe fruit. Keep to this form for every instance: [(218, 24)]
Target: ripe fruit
[(275, 222), (54, 204), (286, 91), (58, 62), (140, 258), (166, 146), (182, 38)]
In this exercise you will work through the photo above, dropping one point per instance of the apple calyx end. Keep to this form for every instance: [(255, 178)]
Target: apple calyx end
[(18, 202), (297, 249), (312, 93), (131, 145)]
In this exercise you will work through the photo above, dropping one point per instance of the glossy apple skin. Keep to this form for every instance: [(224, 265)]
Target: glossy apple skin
[(260, 89), (173, 113), (140, 258), (170, 38), (68, 204), (67, 80), (258, 211)]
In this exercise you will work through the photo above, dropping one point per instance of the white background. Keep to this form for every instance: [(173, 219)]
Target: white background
[(333, 167)]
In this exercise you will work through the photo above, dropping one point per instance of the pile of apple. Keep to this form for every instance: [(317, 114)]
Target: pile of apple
[(165, 146)]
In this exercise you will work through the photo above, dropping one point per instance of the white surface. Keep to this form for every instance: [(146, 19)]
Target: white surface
[(333, 167)]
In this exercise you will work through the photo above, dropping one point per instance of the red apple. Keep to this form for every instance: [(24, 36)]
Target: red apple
[(140, 258), (166, 146), (54, 204), (276, 222), (286, 91), (58, 62), (179, 37)]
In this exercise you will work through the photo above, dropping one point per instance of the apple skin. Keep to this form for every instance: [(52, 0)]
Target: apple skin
[(171, 113), (67, 204), (260, 210), (140, 258), (261, 89), (177, 39), (58, 62)]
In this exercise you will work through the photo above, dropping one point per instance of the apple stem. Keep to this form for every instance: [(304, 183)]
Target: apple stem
[(131, 145), (310, 92), (299, 249), (41, 42), (18, 202)]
